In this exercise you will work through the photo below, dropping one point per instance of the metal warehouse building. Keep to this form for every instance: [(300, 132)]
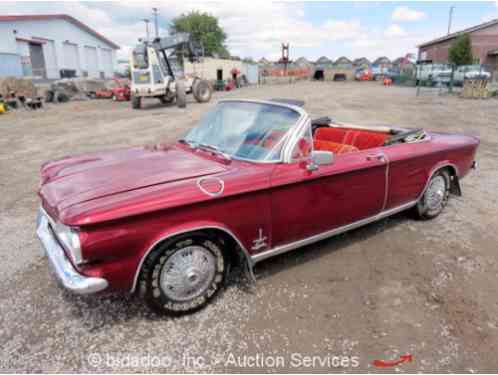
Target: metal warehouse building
[(53, 46)]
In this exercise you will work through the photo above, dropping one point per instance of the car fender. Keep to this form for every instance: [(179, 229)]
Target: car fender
[(455, 184), (187, 228)]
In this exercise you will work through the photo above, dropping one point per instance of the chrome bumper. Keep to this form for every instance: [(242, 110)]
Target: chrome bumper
[(63, 269)]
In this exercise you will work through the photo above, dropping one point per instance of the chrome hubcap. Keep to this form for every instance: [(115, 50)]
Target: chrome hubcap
[(188, 273), (434, 196)]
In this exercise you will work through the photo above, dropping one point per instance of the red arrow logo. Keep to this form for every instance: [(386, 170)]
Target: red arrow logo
[(383, 364)]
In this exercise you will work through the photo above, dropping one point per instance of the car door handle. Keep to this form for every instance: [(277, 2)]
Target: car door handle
[(380, 156)]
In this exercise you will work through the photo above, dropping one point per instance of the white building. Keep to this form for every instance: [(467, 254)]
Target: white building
[(49, 46), (214, 69)]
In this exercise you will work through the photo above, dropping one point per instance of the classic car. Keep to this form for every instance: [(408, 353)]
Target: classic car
[(253, 180)]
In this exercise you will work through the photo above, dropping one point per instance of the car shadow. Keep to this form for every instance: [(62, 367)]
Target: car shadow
[(272, 266), (151, 104)]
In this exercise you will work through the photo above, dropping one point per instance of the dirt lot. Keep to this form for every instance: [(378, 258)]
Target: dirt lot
[(395, 287)]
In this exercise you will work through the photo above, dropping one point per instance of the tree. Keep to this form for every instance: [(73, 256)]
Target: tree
[(204, 29), (460, 52)]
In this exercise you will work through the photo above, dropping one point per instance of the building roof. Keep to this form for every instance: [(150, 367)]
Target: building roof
[(343, 60), (382, 60), (302, 61), (361, 61), (323, 60), (458, 33), (65, 17)]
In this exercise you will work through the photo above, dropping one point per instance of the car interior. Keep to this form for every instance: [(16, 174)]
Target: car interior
[(340, 139)]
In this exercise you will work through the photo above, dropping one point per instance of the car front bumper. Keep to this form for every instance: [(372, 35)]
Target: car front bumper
[(63, 268)]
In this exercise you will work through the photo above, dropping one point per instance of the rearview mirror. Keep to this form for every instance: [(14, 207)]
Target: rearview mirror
[(320, 158)]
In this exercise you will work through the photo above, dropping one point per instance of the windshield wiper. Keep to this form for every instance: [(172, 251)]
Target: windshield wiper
[(205, 146), (214, 149)]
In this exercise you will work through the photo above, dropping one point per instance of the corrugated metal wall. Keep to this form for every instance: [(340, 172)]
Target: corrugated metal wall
[(11, 65)]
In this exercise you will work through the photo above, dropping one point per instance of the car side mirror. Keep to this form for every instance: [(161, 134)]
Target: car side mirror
[(320, 158)]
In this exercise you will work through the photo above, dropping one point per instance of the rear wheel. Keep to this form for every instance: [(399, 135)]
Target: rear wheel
[(181, 94), (183, 275), (202, 91), (136, 102), (435, 196)]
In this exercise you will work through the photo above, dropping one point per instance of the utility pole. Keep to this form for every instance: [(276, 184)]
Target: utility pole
[(450, 18), (146, 28), (155, 12)]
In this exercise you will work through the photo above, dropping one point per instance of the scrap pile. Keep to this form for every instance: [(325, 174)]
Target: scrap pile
[(16, 92), (67, 89)]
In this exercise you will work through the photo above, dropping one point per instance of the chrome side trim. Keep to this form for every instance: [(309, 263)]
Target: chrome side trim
[(321, 236), (227, 231), (64, 271)]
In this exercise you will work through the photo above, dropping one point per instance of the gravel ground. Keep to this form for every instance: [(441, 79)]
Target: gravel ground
[(395, 287)]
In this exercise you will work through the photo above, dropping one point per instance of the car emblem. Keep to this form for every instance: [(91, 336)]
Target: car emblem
[(212, 186), (259, 242)]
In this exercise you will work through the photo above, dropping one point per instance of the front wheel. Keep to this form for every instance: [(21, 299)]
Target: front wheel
[(181, 94), (182, 276), (435, 196)]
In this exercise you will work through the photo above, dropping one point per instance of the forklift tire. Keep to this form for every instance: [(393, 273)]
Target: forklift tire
[(181, 95), (136, 102), (202, 91)]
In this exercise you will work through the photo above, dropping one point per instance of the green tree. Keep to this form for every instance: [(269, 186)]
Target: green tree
[(460, 52), (204, 29)]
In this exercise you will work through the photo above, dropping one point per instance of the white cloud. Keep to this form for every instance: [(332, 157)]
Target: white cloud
[(394, 31), (255, 28), (406, 14)]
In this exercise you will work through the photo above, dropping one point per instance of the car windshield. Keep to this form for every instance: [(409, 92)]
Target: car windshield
[(246, 130)]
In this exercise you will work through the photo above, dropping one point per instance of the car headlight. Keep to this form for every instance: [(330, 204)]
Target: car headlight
[(70, 238)]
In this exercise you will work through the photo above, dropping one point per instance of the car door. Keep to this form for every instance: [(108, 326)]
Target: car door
[(305, 203)]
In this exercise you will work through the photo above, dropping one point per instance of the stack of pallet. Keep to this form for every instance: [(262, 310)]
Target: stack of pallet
[(475, 88)]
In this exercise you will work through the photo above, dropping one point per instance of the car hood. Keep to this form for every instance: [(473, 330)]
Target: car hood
[(74, 180)]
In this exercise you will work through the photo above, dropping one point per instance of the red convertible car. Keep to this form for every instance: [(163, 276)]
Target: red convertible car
[(254, 179)]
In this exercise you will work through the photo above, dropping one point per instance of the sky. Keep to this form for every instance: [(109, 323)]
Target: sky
[(256, 28)]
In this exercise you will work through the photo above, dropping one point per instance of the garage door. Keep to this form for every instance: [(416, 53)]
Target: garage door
[(50, 59), (71, 60), (107, 68), (91, 61)]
